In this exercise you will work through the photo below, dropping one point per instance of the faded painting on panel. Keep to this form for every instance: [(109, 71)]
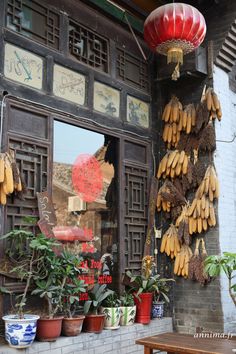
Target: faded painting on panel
[(68, 85), (106, 99), (137, 112)]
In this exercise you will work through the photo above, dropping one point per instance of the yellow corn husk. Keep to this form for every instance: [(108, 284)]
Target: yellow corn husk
[(169, 138), (166, 112), (185, 165), (2, 169), (209, 99), (219, 114), (189, 124), (207, 209), (176, 159), (9, 178), (171, 158), (199, 225), (192, 207), (163, 243), (215, 100), (3, 196), (165, 133), (184, 125), (204, 224), (212, 215)]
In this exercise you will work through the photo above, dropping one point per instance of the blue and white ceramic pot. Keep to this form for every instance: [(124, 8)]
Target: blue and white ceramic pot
[(20, 333), (157, 309)]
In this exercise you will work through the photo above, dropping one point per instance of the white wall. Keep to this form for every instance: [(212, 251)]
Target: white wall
[(225, 162)]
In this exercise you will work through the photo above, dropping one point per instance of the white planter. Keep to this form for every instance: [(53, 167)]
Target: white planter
[(157, 309), (112, 317), (127, 315), (20, 333)]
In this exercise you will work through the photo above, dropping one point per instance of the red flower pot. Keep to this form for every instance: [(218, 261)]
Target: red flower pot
[(49, 329), (143, 308), (93, 323)]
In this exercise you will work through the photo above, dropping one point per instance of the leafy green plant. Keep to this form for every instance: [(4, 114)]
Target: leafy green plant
[(127, 299), (112, 300), (96, 296), (215, 265), (59, 283), (141, 284), (25, 255)]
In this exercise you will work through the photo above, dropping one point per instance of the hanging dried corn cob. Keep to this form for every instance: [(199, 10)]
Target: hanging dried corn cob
[(171, 116), (182, 261), (170, 243), (187, 119), (196, 264), (9, 176), (173, 164), (169, 196), (182, 223), (213, 104)]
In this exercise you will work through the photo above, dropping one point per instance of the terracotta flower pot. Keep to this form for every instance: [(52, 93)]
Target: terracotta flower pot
[(49, 329), (143, 308), (93, 323), (72, 326)]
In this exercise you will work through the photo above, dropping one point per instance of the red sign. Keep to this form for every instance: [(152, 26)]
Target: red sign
[(87, 177)]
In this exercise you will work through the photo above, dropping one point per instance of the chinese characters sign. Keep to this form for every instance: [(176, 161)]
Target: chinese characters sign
[(23, 66)]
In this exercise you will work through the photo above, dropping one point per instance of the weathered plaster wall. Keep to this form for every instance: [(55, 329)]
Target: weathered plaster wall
[(225, 162)]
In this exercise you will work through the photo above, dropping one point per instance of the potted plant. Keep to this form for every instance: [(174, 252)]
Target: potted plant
[(143, 287), (215, 265), (111, 309), (127, 309), (51, 287), (72, 323), (160, 298), (93, 321), (24, 254)]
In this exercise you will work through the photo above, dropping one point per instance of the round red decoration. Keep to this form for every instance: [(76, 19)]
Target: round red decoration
[(87, 177), (174, 30)]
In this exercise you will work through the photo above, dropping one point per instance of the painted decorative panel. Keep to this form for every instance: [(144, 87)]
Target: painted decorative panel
[(69, 85), (23, 66), (137, 112), (106, 100)]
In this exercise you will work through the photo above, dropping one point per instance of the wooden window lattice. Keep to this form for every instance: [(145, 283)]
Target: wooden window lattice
[(136, 206), (132, 70), (88, 47), (32, 161), (32, 19)]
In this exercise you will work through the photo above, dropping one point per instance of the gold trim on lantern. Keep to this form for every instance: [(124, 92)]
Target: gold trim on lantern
[(164, 47), (175, 55)]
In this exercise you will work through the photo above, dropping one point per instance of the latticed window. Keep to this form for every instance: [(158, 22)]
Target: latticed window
[(132, 70), (33, 20), (88, 47)]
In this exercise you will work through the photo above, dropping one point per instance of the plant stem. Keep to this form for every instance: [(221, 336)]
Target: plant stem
[(59, 297)]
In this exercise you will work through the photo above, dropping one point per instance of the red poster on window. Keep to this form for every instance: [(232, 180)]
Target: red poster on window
[(87, 177)]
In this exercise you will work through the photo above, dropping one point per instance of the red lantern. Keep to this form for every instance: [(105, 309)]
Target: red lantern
[(174, 30)]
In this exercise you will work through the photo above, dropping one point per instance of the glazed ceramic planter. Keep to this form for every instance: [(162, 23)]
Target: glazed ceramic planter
[(49, 329), (157, 309), (93, 323), (20, 333), (72, 326), (127, 315), (112, 317), (143, 308)]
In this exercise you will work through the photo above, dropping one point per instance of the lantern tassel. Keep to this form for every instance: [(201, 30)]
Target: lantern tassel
[(175, 55)]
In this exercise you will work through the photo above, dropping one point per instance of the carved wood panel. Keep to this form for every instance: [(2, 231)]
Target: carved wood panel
[(136, 204)]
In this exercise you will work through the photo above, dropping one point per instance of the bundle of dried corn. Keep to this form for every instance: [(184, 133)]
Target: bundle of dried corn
[(171, 116), (170, 243), (213, 104), (173, 164), (9, 176), (182, 261)]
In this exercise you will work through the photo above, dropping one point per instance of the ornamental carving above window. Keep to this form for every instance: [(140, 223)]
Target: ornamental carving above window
[(88, 47), (33, 20)]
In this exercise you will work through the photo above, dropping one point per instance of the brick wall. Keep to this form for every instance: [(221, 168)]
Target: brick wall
[(120, 341), (226, 169)]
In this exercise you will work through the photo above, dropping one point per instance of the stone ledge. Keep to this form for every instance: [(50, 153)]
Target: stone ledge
[(118, 341)]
